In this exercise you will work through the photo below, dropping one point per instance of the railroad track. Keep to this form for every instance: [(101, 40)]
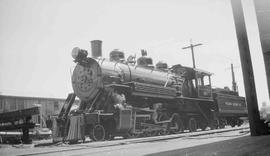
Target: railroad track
[(94, 145)]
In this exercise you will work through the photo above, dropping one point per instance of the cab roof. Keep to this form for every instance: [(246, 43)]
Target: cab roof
[(189, 72)]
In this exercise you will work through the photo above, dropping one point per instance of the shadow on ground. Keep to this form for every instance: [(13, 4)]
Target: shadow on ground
[(244, 146)]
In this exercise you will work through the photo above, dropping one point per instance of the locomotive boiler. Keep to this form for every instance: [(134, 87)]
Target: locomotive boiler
[(93, 74), (132, 98)]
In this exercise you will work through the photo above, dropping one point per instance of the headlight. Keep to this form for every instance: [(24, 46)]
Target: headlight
[(78, 53), (75, 52)]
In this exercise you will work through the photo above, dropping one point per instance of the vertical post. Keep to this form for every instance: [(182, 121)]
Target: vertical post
[(25, 137), (210, 83), (256, 126), (193, 61), (40, 116), (234, 87), (262, 8), (192, 51)]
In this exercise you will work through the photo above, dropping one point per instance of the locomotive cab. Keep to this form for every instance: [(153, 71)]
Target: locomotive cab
[(203, 83), (197, 82)]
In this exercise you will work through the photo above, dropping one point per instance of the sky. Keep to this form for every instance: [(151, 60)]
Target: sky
[(37, 36)]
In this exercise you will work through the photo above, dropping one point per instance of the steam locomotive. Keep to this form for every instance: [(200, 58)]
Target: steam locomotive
[(133, 98)]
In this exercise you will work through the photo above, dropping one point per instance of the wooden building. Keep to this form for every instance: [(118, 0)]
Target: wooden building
[(48, 106)]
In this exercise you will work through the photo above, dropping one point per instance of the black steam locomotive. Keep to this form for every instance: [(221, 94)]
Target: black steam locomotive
[(132, 98)]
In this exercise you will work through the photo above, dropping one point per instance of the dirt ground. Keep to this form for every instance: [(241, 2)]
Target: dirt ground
[(243, 146), (229, 143)]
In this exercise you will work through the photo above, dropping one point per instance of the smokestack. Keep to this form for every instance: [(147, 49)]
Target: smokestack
[(96, 48)]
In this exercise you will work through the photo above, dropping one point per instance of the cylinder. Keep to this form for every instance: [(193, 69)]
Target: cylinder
[(96, 48)]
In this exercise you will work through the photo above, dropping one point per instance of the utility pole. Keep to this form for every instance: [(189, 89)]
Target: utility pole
[(193, 61), (234, 86), (262, 8), (257, 127), (192, 51)]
